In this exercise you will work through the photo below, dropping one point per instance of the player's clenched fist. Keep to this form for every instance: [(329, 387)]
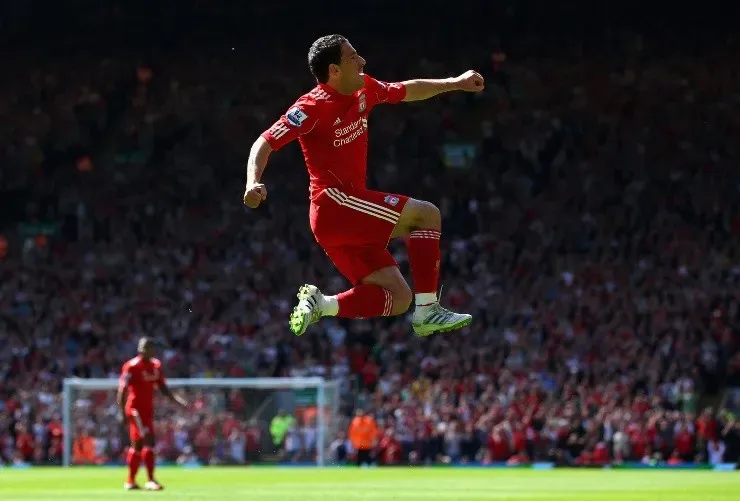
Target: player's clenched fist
[(470, 81), (254, 194)]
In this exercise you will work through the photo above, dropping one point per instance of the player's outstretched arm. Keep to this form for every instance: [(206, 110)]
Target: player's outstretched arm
[(421, 89), (255, 192), (171, 396)]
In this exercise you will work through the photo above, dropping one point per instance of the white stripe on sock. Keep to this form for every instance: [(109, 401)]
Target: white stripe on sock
[(430, 234), (388, 303)]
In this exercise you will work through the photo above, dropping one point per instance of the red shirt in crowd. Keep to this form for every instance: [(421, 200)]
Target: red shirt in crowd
[(520, 440), (228, 426), (641, 406), (707, 428), (55, 448), (203, 442), (601, 454), (684, 443), (390, 450), (639, 442), (499, 446), (357, 358), (585, 458), (253, 436), (370, 373), (24, 444)]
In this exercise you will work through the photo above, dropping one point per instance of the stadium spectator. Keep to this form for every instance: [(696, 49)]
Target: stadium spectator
[(339, 449), (280, 426), (389, 449), (363, 434), (83, 448)]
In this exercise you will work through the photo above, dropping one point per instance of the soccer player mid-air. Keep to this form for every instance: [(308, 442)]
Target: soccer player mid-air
[(352, 223), (140, 376)]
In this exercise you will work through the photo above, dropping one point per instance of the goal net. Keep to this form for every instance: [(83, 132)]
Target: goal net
[(230, 421)]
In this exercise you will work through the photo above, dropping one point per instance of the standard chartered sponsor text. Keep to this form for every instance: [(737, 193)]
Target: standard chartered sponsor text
[(350, 132)]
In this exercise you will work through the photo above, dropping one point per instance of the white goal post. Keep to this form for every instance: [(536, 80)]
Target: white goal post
[(326, 401)]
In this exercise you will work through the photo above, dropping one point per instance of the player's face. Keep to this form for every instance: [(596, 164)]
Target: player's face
[(351, 68), (147, 350)]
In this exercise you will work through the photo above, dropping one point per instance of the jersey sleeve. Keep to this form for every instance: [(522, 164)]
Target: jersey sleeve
[(300, 119), (385, 92)]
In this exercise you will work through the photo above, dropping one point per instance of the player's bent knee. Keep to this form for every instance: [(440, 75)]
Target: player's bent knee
[(432, 217), (401, 300), (421, 215)]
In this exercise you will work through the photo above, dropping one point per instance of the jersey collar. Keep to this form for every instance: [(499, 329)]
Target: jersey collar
[(333, 92)]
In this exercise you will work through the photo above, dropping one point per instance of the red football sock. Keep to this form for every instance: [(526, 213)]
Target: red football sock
[(148, 456), (133, 459), (423, 249), (365, 301)]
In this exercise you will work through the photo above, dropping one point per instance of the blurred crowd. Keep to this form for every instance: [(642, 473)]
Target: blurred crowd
[(591, 226)]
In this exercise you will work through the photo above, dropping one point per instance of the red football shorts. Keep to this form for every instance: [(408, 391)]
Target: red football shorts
[(140, 423), (354, 227)]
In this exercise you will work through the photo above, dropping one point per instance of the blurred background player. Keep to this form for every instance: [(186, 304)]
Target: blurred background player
[(351, 223), (140, 376)]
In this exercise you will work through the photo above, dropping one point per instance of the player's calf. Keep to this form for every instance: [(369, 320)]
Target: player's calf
[(391, 280), (365, 300), (133, 460), (147, 456), (422, 223)]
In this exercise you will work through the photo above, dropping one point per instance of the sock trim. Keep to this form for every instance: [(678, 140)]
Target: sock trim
[(426, 234), (330, 306), (425, 298), (388, 307)]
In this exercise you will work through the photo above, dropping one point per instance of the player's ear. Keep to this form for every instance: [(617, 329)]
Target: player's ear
[(334, 69)]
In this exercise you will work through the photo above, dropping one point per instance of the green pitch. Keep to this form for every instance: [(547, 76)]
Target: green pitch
[(403, 484)]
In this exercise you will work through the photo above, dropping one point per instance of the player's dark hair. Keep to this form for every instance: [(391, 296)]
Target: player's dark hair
[(323, 52)]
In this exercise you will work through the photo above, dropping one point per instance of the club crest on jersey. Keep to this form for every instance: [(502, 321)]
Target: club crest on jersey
[(363, 103), (296, 116), (391, 200)]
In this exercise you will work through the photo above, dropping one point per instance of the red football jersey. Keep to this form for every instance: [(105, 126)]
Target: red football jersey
[(390, 451), (141, 377), (332, 131)]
